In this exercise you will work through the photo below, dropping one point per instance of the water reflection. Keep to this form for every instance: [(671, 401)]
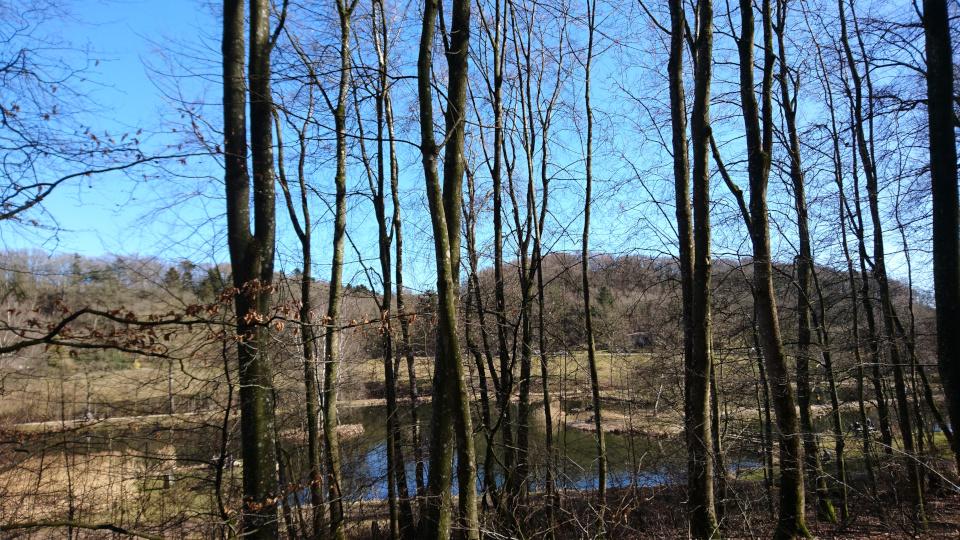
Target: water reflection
[(632, 459)]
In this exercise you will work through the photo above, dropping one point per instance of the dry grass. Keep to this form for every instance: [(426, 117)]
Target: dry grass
[(39, 487), (68, 392)]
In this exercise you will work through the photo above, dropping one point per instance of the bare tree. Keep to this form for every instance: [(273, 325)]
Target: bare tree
[(789, 84), (251, 252), (864, 133), (332, 341), (758, 125), (946, 214), (305, 313), (694, 256), (585, 269), (451, 406)]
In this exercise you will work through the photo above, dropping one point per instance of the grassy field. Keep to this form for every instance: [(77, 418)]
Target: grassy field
[(129, 461)]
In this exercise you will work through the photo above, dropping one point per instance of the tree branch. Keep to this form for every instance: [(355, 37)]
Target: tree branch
[(78, 525)]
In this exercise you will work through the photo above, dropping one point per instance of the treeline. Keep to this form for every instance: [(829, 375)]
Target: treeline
[(638, 297), (638, 330)]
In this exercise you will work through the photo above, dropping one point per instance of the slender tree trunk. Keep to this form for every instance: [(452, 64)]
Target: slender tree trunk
[(865, 436), (855, 305), (758, 127), (883, 414), (859, 142), (481, 352), (283, 474), (452, 195), (585, 267), (804, 262), (403, 316), (505, 392), (719, 462), (401, 512), (835, 416), (767, 420), (525, 232), (694, 258), (489, 480), (305, 316), (915, 493), (314, 473), (550, 487), (700, 368), (546, 117), (332, 342)]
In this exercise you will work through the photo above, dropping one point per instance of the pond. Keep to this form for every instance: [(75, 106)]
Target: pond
[(632, 459)]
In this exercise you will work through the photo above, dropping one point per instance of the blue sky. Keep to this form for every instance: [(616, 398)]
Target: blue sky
[(112, 214), (123, 38)]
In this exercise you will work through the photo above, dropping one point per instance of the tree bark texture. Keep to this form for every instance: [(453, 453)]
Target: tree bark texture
[(451, 423), (694, 247), (251, 252)]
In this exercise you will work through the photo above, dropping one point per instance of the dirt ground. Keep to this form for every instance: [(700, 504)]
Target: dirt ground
[(658, 513)]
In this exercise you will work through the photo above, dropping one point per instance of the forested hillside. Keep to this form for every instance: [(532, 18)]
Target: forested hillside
[(141, 413)]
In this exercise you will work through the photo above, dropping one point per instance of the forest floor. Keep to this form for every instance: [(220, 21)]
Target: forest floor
[(659, 513)]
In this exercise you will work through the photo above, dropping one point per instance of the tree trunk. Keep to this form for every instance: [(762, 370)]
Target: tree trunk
[(451, 407), (526, 231), (481, 352), (835, 416), (719, 462), (401, 512), (402, 315), (758, 128), (546, 118), (865, 436), (505, 390), (305, 316), (767, 421), (804, 263), (335, 299), (915, 493), (855, 305), (489, 479), (859, 142), (946, 215), (251, 254), (694, 245), (585, 267)]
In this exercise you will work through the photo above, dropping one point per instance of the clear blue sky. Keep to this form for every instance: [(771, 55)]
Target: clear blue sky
[(123, 38)]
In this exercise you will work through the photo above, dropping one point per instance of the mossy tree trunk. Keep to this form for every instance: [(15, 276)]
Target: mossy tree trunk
[(451, 423), (251, 244)]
